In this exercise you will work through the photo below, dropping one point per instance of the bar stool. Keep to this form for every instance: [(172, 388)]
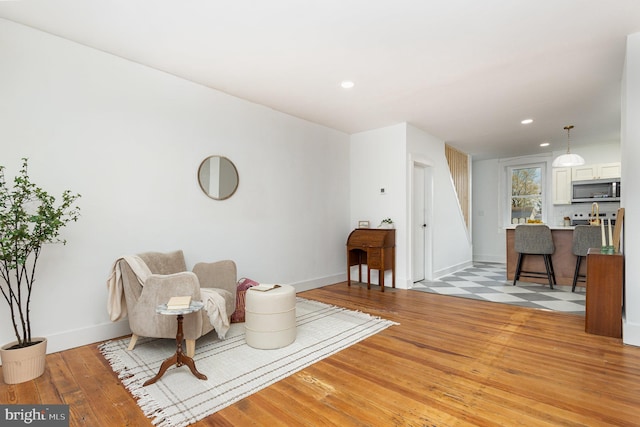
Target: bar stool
[(584, 237), (534, 239)]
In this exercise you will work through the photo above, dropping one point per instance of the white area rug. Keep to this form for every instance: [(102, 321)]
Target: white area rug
[(234, 370)]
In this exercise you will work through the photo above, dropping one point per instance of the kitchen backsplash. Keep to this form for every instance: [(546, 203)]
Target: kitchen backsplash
[(560, 211)]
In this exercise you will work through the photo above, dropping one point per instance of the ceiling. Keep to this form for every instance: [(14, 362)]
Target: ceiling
[(465, 71)]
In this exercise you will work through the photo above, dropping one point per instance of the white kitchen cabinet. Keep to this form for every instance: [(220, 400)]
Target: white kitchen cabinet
[(584, 172), (596, 171), (610, 170), (562, 186)]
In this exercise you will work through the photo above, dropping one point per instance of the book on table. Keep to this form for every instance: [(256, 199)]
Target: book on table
[(264, 288), (179, 302)]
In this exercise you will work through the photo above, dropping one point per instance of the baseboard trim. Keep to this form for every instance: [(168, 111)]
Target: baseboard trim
[(490, 258), (630, 333), (307, 285), (453, 269), (79, 337)]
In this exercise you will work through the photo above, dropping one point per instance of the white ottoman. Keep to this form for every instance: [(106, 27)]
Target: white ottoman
[(270, 317)]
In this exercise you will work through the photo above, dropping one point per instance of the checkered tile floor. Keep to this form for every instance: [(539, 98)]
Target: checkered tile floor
[(488, 282)]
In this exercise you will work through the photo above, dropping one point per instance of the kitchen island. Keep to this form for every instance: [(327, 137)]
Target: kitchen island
[(564, 261)]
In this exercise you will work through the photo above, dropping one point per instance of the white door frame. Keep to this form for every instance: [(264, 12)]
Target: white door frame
[(413, 222)]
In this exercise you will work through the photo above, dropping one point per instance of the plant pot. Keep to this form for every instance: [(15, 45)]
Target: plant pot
[(23, 364)]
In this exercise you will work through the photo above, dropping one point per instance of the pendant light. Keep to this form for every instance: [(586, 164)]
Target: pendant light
[(568, 159)]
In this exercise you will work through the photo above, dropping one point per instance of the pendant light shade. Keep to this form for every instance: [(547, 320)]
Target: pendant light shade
[(568, 159)]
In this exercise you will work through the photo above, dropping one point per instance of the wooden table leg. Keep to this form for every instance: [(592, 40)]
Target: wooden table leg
[(163, 368), (348, 267), (393, 269), (177, 359)]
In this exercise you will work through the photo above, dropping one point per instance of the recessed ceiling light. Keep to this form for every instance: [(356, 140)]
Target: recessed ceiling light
[(544, 144), (526, 121), (347, 84)]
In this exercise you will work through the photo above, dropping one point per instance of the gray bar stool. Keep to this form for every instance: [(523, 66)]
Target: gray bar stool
[(584, 237), (534, 239)]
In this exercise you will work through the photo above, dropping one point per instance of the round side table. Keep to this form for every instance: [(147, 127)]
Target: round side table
[(179, 358)]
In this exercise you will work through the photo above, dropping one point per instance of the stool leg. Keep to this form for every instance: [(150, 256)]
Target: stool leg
[(518, 268), (549, 267), (575, 275), (553, 272)]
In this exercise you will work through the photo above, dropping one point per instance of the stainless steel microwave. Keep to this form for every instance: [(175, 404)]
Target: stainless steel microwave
[(595, 190)]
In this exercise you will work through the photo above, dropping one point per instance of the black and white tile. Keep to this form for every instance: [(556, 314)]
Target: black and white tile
[(488, 282)]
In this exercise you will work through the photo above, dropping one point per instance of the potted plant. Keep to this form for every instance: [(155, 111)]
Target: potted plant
[(29, 218), (386, 223)]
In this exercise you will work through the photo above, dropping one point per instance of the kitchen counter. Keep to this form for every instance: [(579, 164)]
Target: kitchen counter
[(552, 227), (564, 261)]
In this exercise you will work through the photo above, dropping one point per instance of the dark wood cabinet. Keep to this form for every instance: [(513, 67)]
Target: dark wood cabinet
[(603, 314), (375, 247)]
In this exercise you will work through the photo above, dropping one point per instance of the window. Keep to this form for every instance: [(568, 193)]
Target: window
[(527, 193)]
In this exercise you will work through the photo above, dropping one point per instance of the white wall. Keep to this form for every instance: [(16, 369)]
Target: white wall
[(130, 140), (630, 201), (378, 161), (488, 234)]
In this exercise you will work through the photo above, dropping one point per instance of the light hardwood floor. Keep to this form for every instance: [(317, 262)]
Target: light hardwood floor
[(450, 362)]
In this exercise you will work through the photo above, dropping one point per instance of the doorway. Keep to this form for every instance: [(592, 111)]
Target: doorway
[(421, 223)]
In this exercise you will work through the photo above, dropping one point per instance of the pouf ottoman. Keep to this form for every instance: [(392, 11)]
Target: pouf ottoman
[(270, 317)]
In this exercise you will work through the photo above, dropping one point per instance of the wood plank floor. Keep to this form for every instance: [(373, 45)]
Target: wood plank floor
[(450, 362)]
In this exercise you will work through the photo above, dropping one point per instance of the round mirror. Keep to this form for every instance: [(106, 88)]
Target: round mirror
[(218, 177)]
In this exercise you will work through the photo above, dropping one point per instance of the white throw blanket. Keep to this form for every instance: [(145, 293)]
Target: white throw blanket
[(216, 308), (116, 304)]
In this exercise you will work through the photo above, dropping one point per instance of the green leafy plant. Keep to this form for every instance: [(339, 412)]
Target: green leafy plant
[(387, 221), (29, 218)]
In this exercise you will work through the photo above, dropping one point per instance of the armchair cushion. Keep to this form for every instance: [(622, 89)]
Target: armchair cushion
[(164, 263), (158, 288), (219, 275)]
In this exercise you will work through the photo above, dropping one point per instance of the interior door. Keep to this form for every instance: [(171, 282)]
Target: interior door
[(419, 223)]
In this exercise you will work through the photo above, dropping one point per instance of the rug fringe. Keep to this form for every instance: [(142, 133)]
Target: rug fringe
[(149, 406)]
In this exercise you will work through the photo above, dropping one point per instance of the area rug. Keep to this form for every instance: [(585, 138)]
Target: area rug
[(234, 370)]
